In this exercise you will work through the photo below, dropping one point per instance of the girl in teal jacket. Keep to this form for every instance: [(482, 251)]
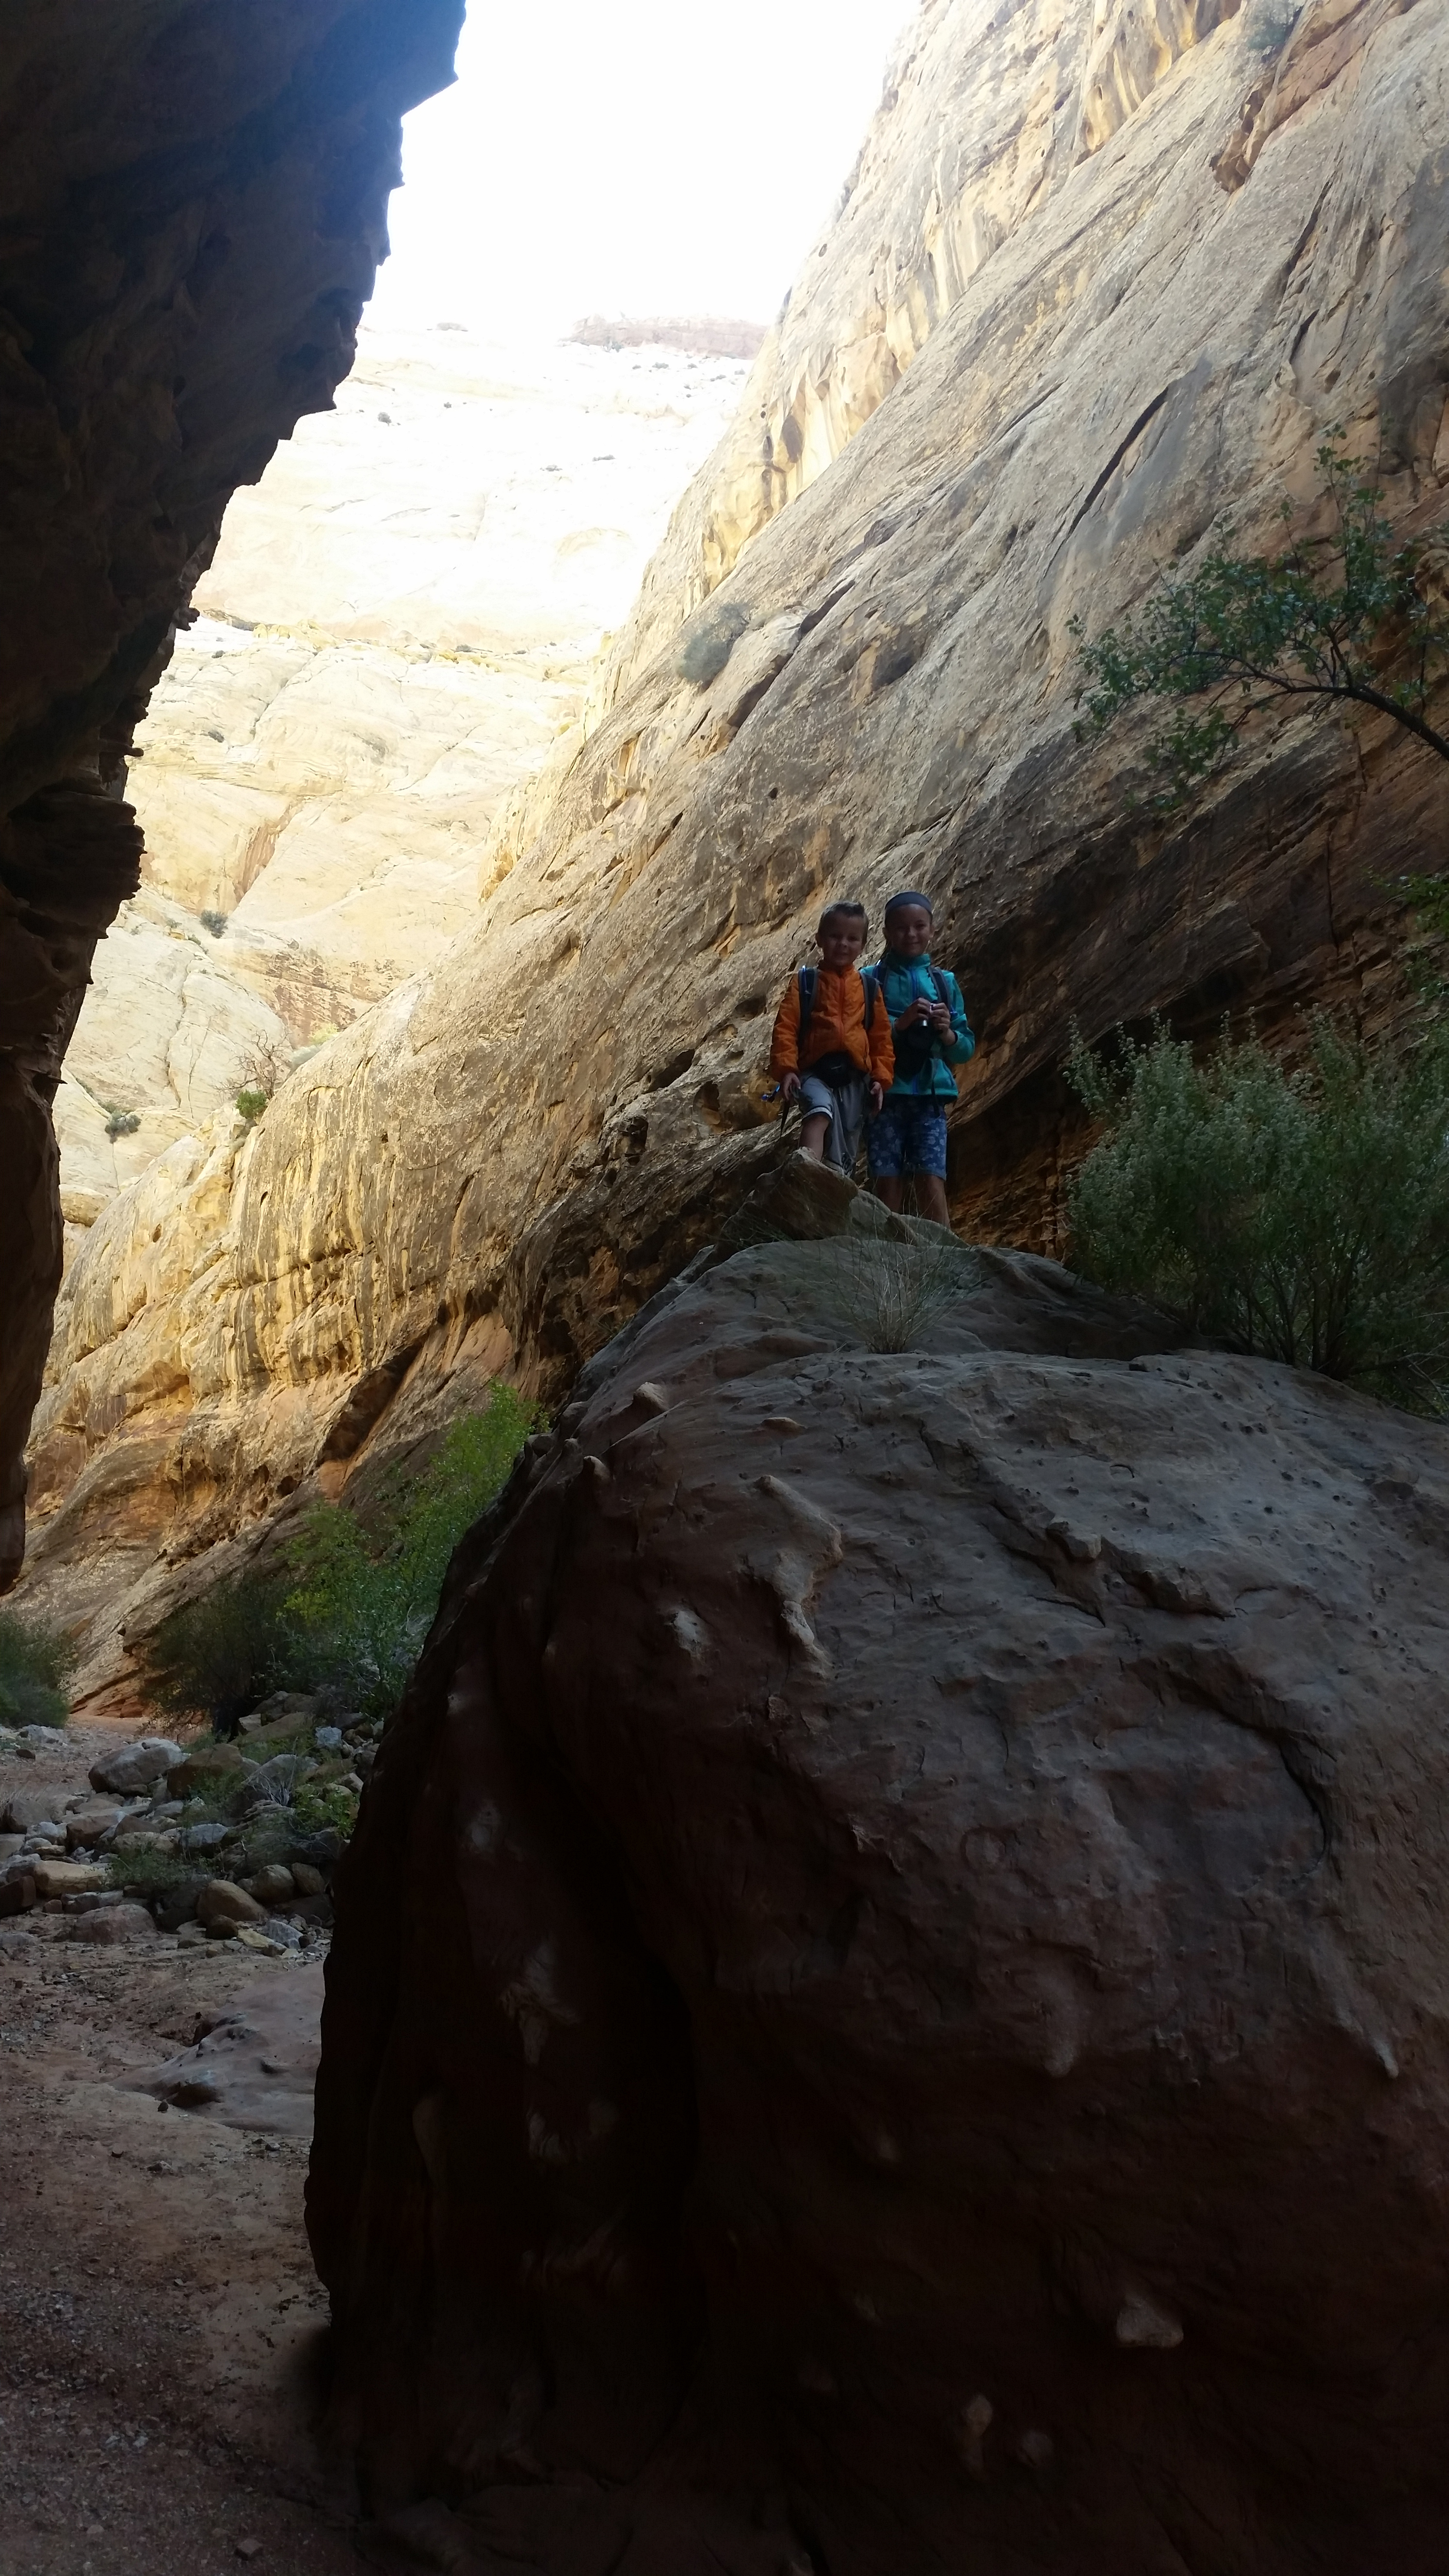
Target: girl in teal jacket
[(932, 1035)]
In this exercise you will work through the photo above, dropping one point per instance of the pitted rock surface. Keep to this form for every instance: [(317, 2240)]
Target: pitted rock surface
[(893, 1965), (252, 2064)]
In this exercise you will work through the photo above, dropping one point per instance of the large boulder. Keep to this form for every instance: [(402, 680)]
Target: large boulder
[(206, 1769), (222, 1902), (112, 1925), (136, 1766), (88, 1825), (28, 1809), (69, 1877), (889, 1999)]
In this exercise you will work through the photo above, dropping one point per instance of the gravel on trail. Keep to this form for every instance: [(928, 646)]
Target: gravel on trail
[(162, 2332)]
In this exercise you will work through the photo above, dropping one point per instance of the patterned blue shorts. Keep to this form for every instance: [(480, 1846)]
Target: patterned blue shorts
[(908, 1136)]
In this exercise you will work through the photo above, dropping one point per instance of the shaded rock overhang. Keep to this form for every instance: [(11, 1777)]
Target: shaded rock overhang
[(193, 205)]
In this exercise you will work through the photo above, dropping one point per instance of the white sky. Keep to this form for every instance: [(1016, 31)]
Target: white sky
[(630, 156)]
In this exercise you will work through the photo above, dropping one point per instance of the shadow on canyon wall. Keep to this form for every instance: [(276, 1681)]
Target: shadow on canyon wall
[(194, 210)]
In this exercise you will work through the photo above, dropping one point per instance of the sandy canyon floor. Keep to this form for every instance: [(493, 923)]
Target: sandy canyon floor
[(161, 2327)]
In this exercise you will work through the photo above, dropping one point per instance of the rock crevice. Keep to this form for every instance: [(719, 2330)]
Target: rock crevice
[(191, 223)]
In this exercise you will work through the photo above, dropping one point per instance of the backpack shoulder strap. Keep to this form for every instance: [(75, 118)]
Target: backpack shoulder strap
[(808, 981), (942, 996), (872, 993)]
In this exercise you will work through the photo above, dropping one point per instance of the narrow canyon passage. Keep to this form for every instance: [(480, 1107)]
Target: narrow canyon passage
[(802, 1928)]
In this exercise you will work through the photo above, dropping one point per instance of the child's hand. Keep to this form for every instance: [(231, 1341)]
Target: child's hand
[(941, 1020), (877, 1098), (789, 1086), (916, 1014)]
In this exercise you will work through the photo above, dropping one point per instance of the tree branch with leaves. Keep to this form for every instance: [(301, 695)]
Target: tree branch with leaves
[(1349, 617)]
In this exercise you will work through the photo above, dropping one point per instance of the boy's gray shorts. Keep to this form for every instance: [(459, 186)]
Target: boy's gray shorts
[(845, 1110)]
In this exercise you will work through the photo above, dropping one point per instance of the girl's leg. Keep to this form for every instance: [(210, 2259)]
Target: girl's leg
[(812, 1135), (931, 1198), (890, 1191)]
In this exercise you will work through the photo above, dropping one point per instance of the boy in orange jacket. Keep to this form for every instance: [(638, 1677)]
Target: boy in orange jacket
[(832, 1041)]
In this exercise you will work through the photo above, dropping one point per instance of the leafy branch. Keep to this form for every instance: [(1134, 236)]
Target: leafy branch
[(1324, 620)]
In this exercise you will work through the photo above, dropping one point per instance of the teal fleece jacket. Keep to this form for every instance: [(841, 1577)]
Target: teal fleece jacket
[(899, 982)]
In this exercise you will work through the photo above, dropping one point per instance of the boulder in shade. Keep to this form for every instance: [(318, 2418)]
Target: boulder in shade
[(69, 1877), (203, 1769), (273, 1885), (112, 1924), (29, 1809), (894, 1961), (136, 1766), (222, 1901)]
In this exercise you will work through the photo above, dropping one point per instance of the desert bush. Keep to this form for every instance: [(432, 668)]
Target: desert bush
[(1302, 1216), (121, 1122), (345, 1608), (222, 1653), (709, 639), (150, 1873), (361, 1605), (893, 1292), (317, 1805), (215, 922), (250, 1103), (35, 1664)]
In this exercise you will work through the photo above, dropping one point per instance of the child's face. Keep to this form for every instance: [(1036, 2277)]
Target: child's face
[(842, 938), (908, 931)]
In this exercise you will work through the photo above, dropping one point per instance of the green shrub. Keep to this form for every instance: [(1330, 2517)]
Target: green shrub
[(1302, 1216), (251, 1103), (222, 1653), (709, 639), (314, 1807), (153, 1873), (1319, 623), (36, 1662), (362, 1606), (348, 1608)]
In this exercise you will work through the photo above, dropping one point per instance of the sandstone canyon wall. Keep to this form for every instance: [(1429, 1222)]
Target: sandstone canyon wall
[(985, 114), (888, 2008), (1226, 249), (194, 204), (399, 622)]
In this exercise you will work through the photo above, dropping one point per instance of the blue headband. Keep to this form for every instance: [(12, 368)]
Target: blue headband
[(897, 900)]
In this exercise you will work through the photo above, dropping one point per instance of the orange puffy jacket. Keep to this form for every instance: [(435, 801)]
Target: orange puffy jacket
[(837, 1027)]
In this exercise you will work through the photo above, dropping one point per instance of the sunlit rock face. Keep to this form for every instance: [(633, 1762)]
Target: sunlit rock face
[(472, 495), (526, 1142), (985, 116), (400, 622), (190, 222), (165, 1038)]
